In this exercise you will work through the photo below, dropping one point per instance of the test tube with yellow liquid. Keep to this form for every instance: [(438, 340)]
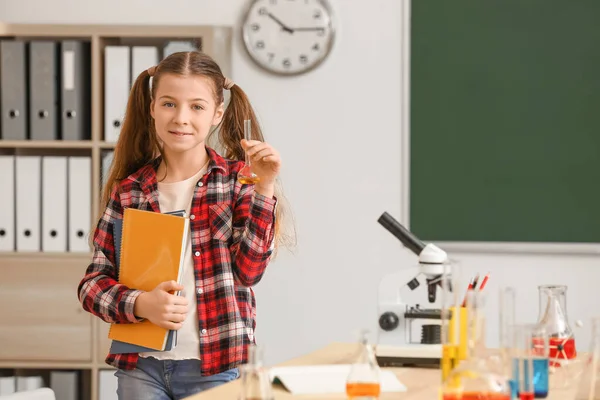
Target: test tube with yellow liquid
[(246, 175)]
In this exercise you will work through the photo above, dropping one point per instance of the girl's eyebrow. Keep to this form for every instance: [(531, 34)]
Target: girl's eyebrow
[(173, 98)]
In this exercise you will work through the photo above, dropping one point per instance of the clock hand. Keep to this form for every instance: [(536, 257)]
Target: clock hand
[(309, 29), (283, 26)]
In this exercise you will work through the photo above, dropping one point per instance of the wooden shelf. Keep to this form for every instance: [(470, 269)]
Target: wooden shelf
[(44, 255), (44, 365), (46, 144), (107, 145), (107, 31)]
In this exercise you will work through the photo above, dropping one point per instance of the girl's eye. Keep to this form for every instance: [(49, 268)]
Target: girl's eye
[(169, 104), (198, 108)]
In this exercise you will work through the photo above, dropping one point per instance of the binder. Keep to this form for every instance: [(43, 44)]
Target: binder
[(54, 204), (28, 202), (142, 58), (43, 90), (175, 46), (152, 251), (7, 206), (79, 202), (118, 347), (116, 89), (65, 384), (107, 158), (13, 89), (75, 106)]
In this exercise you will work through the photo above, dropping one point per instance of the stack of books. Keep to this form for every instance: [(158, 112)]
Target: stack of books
[(149, 250)]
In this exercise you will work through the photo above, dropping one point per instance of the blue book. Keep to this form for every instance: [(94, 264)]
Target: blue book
[(118, 347)]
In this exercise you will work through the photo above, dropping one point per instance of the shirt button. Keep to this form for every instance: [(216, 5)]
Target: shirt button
[(197, 254), (192, 216), (204, 331), (200, 184), (199, 291)]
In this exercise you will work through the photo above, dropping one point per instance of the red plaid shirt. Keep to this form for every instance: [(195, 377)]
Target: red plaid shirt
[(232, 242)]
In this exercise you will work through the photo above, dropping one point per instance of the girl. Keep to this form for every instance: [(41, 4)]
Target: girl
[(161, 164)]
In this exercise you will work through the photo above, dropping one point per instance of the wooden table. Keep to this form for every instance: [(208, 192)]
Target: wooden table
[(421, 383)]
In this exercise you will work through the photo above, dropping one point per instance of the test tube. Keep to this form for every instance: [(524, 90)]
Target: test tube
[(523, 368), (506, 331)]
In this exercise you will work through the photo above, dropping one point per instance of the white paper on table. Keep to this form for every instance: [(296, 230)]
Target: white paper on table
[(321, 379)]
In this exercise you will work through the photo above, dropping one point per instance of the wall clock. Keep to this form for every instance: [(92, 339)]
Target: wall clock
[(288, 37)]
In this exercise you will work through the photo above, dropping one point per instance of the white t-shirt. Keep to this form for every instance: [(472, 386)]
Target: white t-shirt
[(175, 196)]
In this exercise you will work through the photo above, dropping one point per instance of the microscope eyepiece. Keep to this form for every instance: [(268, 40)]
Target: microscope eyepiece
[(408, 239)]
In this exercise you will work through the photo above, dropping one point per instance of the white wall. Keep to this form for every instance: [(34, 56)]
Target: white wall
[(339, 132)]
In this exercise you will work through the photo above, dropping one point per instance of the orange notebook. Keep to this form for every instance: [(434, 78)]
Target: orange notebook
[(152, 251)]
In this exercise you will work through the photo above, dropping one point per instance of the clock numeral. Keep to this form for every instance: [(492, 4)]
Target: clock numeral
[(273, 1), (260, 44), (255, 27), (317, 14), (263, 11), (303, 59), (316, 47), (287, 63), (271, 56)]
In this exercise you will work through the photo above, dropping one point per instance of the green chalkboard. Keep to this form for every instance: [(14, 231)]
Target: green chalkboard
[(505, 120)]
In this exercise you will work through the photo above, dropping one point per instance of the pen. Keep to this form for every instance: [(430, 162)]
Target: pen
[(472, 285), (483, 283)]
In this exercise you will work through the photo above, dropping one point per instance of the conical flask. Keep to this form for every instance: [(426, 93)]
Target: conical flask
[(553, 317), (363, 382), (588, 387), (254, 377)]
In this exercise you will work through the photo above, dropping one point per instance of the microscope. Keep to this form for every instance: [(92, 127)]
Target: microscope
[(400, 321)]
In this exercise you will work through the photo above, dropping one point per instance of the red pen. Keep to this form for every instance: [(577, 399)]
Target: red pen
[(472, 285), (485, 279)]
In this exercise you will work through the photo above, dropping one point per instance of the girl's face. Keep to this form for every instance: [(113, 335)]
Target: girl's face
[(184, 112)]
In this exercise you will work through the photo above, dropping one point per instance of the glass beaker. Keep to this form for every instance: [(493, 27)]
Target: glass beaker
[(530, 361), (453, 320), (473, 379), (588, 387), (553, 317), (254, 377), (246, 176), (363, 381)]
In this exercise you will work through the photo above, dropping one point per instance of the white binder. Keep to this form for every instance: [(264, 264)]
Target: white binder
[(142, 58), (54, 204), (28, 202), (107, 158), (7, 203), (79, 202), (107, 386), (116, 89)]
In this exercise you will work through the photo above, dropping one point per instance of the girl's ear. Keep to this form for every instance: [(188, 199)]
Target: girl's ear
[(152, 109), (218, 114)]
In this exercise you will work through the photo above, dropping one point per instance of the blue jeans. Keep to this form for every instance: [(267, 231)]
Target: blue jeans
[(167, 379)]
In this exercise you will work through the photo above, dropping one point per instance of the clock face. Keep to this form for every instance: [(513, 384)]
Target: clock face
[(288, 36)]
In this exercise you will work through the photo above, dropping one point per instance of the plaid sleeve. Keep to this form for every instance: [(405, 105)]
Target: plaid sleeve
[(99, 291), (253, 234)]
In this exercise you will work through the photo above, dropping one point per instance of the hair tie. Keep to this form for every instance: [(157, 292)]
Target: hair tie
[(152, 70), (228, 84)]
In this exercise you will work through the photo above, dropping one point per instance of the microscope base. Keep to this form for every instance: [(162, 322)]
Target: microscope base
[(409, 356)]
